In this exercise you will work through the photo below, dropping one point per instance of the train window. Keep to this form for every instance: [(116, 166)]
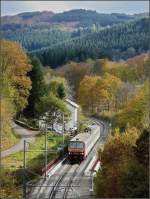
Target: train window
[(72, 145), (78, 145)]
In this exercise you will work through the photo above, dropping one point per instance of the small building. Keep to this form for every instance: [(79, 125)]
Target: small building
[(74, 109)]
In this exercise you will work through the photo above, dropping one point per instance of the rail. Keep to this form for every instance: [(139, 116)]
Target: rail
[(69, 184), (55, 186)]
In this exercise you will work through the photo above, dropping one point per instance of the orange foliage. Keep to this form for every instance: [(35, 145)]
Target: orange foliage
[(14, 67)]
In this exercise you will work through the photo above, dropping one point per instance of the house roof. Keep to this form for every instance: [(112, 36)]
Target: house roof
[(72, 103)]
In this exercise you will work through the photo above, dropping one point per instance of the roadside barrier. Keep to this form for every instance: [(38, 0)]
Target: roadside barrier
[(26, 125)]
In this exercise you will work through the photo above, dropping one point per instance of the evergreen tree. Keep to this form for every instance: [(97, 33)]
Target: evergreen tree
[(127, 40), (61, 91), (38, 88)]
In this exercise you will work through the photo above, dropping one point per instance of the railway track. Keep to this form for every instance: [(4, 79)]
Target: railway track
[(57, 183), (69, 184), (41, 189), (61, 180), (61, 184)]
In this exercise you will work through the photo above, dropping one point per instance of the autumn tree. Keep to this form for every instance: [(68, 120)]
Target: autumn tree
[(74, 73), (124, 94), (14, 87), (134, 181), (14, 69), (85, 97), (137, 170), (112, 85), (124, 163), (138, 66), (117, 151), (136, 111), (94, 91), (99, 66), (134, 70)]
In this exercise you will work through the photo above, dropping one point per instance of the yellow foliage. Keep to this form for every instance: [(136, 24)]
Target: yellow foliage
[(112, 83), (95, 90), (14, 67), (15, 86), (119, 147), (87, 91), (136, 111), (133, 70), (7, 112)]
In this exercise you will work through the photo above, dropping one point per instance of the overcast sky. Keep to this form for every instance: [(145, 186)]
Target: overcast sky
[(130, 7)]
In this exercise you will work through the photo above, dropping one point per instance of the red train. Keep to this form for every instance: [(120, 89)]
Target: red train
[(81, 144)]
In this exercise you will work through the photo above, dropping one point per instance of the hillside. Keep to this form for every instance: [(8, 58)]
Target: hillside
[(118, 42), (35, 30), (25, 19), (87, 17), (81, 17)]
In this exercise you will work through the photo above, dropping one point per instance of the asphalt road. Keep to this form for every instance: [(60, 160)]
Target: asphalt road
[(25, 134)]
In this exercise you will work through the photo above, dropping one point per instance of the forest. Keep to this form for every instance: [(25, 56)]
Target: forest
[(104, 69), (33, 39), (36, 30), (118, 42), (118, 95)]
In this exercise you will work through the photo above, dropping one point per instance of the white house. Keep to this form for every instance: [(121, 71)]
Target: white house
[(74, 109)]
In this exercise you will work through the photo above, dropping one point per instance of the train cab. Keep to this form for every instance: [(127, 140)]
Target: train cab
[(80, 145), (76, 150)]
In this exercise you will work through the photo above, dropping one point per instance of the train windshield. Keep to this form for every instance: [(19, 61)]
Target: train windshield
[(78, 145)]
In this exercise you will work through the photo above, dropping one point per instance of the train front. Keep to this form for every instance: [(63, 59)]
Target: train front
[(76, 150)]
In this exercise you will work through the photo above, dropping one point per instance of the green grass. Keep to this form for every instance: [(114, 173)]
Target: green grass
[(9, 139), (35, 159), (34, 162)]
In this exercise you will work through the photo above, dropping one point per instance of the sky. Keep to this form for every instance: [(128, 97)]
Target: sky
[(129, 7)]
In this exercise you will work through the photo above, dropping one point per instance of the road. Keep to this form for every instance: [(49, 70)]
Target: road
[(25, 134), (69, 180)]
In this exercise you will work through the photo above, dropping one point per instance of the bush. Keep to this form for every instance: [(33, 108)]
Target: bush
[(134, 181), (9, 184)]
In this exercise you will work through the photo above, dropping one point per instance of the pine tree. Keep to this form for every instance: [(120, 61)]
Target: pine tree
[(38, 88), (61, 91)]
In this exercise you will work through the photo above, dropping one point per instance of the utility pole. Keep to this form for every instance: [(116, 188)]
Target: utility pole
[(110, 125), (24, 170), (45, 151), (63, 131)]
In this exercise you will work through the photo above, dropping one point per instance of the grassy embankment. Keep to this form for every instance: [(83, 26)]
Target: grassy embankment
[(34, 161), (9, 139)]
